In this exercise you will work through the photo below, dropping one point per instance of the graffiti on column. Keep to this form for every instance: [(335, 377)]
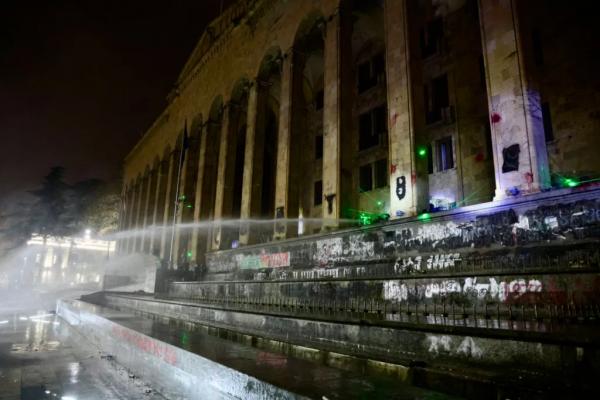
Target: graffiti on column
[(401, 187)]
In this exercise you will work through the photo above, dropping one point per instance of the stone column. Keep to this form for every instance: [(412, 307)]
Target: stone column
[(198, 199), (337, 168), (155, 209), (169, 201), (223, 170), (145, 210), (138, 213), (404, 197), (179, 204), (130, 217), (250, 180), (519, 146), (283, 146)]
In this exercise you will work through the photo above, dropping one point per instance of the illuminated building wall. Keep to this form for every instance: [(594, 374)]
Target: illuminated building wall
[(332, 110)]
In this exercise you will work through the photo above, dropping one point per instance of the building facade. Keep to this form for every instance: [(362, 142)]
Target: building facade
[(297, 117)]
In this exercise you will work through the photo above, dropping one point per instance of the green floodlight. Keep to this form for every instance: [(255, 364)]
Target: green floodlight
[(569, 182), (182, 197), (188, 206), (364, 219), (189, 254), (422, 151), (424, 217), (379, 203)]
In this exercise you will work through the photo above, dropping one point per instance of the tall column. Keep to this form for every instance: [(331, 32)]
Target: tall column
[(165, 236), (199, 200), (222, 197), (123, 218), (155, 209), (284, 204), (179, 204), (404, 199), (519, 147), (138, 213), (337, 168), (131, 217), (145, 210), (249, 181)]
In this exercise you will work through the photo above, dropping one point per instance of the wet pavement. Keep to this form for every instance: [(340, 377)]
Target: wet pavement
[(308, 378), (41, 358)]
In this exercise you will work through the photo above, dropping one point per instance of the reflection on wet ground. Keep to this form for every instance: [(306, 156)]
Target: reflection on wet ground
[(40, 359), (301, 376)]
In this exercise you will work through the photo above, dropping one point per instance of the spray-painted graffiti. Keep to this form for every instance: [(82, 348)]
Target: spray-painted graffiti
[(276, 260), (479, 288), (333, 250), (146, 344), (440, 344), (401, 187), (431, 262)]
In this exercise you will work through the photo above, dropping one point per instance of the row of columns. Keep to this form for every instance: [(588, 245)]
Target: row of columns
[(514, 117)]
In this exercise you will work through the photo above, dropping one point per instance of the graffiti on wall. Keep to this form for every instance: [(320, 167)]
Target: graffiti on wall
[(432, 262), (274, 260), (329, 251), (476, 288), (146, 344)]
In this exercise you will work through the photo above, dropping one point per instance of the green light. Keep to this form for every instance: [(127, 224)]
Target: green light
[(424, 217), (422, 151), (570, 182), (189, 254), (189, 206), (364, 219), (182, 197), (379, 203)]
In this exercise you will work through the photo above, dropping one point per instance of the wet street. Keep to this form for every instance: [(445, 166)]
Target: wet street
[(41, 358)]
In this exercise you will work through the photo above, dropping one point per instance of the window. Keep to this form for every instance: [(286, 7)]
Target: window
[(365, 183), (318, 147), (372, 128), (547, 120), (445, 156), (318, 193), (436, 99), (319, 100), (431, 38), (373, 175), (429, 160), (371, 73)]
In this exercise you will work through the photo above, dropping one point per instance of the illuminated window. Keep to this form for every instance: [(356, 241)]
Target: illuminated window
[(445, 156)]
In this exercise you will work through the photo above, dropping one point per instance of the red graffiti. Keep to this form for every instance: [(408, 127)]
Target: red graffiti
[(496, 118), (146, 344), (394, 119), (413, 178), (393, 168)]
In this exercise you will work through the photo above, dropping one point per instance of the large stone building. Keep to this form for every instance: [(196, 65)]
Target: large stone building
[(321, 113)]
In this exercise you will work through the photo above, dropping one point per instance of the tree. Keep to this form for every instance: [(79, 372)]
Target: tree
[(48, 215), (102, 212)]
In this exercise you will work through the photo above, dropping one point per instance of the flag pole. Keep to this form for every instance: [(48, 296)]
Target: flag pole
[(176, 206)]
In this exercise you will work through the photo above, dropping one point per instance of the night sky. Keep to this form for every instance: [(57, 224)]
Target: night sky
[(80, 81)]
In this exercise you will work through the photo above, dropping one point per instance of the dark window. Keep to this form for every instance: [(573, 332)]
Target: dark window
[(429, 160), (445, 154), (547, 120), (371, 73), (538, 50), (365, 178), (431, 38), (372, 128), (319, 100), (436, 99), (318, 193), (318, 147), (381, 173)]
